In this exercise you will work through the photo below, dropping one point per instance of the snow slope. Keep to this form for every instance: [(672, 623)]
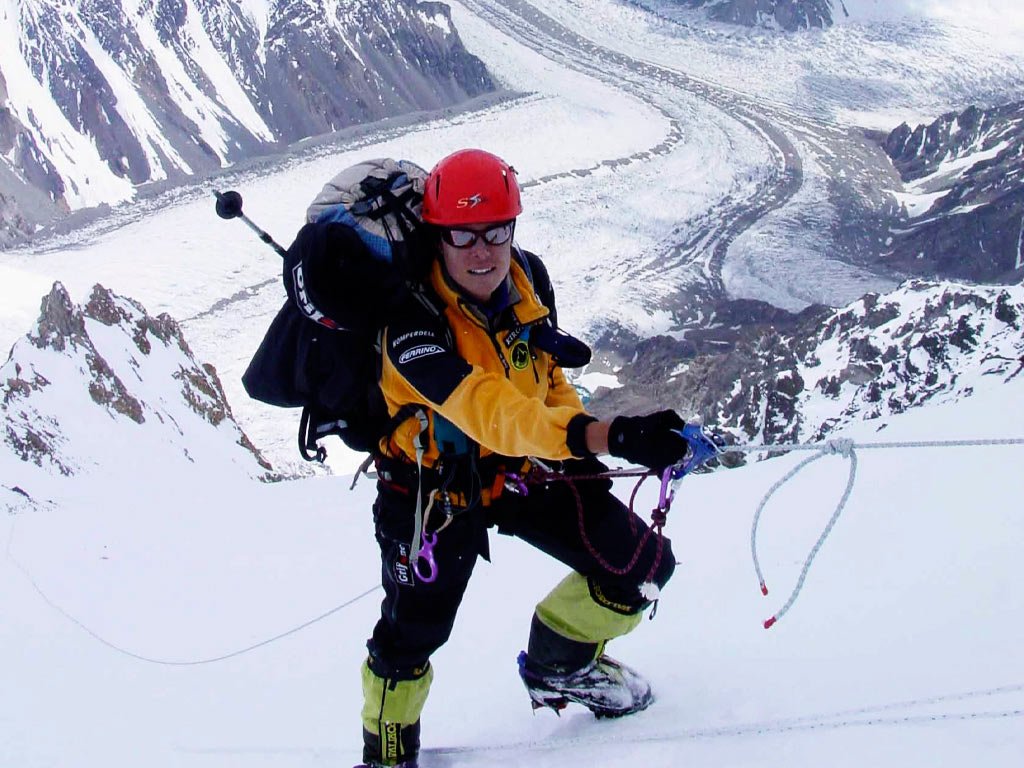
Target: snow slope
[(902, 650)]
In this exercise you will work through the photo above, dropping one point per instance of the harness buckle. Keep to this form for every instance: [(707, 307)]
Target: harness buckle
[(515, 483)]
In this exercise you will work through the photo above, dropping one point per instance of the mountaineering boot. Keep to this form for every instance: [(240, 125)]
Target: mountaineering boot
[(565, 661), (605, 686), (380, 752), (407, 764)]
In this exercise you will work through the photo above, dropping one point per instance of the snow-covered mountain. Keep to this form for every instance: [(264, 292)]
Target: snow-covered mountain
[(108, 374), (963, 205), (878, 357), (98, 96), (786, 379), (164, 608), (788, 15), (794, 15)]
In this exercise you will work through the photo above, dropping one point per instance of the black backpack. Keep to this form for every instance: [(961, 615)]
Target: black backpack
[(349, 266)]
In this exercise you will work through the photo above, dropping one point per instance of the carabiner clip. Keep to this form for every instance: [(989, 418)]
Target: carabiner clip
[(426, 553), (669, 481), (702, 450)]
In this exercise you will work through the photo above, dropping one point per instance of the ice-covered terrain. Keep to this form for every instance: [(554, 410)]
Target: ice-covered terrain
[(620, 164)]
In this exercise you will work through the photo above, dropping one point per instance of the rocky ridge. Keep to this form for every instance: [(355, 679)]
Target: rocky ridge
[(110, 373), (963, 205), (789, 15), (804, 380), (103, 95)]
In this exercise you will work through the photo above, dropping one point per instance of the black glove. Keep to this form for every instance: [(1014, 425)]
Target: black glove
[(649, 440)]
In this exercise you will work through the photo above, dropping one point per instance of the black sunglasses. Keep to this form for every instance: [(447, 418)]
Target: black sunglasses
[(499, 234)]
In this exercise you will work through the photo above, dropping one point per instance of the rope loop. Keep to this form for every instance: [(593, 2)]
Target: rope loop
[(842, 446), (847, 449)]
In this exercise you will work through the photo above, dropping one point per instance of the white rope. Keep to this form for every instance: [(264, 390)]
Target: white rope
[(166, 662), (847, 449), (836, 446)]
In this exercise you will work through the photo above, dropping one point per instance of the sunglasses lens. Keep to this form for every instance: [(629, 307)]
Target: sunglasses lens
[(460, 238), (499, 234), (464, 238)]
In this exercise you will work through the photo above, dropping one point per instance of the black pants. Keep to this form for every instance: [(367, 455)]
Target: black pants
[(417, 617)]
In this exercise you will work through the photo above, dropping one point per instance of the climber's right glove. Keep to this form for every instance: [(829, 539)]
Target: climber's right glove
[(652, 441)]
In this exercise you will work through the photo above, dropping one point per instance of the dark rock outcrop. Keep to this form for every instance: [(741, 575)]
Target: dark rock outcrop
[(790, 15), (828, 368), (968, 167)]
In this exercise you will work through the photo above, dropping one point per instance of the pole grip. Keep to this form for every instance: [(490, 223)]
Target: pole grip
[(229, 206)]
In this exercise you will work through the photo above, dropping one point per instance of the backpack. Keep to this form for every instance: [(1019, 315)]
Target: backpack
[(360, 256), (351, 263)]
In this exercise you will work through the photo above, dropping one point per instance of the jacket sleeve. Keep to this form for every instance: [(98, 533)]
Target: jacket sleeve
[(419, 365)]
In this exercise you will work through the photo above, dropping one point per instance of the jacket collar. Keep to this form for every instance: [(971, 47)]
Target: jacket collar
[(522, 307)]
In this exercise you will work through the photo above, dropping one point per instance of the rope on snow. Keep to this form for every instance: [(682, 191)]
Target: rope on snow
[(845, 448)]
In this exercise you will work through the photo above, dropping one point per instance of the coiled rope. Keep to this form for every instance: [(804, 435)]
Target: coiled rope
[(847, 449)]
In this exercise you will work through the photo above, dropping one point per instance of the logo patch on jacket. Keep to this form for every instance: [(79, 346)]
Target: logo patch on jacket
[(520, 355), (424, 350)]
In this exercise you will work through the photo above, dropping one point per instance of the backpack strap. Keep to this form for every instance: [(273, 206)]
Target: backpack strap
[(406, 411), (309, 434), (382, 201), (524, 262)]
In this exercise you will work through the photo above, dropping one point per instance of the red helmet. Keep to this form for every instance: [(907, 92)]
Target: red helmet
[(471, 186)]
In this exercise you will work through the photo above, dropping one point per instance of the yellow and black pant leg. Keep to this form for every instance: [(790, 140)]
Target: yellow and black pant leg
[(600, 599), (416, 619)]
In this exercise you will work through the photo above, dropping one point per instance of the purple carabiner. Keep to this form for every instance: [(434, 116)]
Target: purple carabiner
[(515, 483), (427, 542), (665, 497)]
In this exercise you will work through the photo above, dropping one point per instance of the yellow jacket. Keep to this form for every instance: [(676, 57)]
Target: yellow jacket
[(486, 378)]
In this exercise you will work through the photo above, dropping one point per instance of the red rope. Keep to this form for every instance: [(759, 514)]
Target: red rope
[(658, 516)]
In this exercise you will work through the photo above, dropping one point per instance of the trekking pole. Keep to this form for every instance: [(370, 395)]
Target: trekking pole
[(229, 206)]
